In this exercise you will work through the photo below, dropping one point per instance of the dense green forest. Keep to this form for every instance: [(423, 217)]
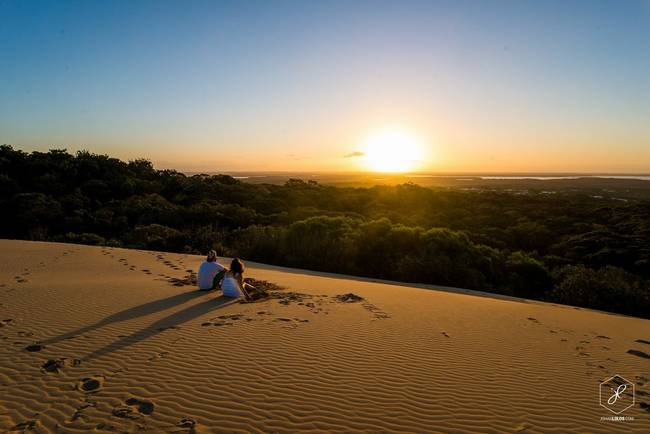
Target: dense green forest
[(568, 248)]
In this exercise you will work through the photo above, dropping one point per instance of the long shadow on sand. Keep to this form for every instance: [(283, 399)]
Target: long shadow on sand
[(132, 313), (163, 324)]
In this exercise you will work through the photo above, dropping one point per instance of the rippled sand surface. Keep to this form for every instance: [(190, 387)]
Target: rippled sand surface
[(104, 339)]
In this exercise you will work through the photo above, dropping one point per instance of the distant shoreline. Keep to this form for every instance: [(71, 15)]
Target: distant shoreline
[(540, 177)]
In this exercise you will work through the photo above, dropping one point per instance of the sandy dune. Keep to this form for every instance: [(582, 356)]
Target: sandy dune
[(132, 347)]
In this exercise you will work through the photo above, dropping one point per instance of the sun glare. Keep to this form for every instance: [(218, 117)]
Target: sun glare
[(392, 150)]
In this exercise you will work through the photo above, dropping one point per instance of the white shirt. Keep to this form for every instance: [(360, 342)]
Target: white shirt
[(207, 273), (230, 287)]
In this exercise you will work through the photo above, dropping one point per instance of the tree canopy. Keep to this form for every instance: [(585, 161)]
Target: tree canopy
[(568, 247)]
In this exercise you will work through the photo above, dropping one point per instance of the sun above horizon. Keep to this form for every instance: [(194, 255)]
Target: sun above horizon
[(392, 150)]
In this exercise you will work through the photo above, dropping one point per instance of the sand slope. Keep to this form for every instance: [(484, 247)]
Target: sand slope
[(146, 352)]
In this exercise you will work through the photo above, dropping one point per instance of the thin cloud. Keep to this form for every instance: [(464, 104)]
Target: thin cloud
[(355, 154)]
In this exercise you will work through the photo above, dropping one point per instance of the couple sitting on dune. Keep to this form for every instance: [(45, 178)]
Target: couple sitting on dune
[(213, 275)]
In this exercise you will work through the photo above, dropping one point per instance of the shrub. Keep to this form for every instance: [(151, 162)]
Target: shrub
[(158, 237), (319, 243), (527, 277), (609, 288), (260, 243), (83, 238)]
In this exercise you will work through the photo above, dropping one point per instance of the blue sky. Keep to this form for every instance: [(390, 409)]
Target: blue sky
[(296, 85)]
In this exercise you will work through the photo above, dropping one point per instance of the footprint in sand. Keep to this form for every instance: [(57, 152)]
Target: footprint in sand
[(5, 322), (33, 348), (354, 298), (221, 323), (134, 408), (376, 312), (28, 425), (223, 320), (234, 317), (56, 365), (642, 341), (160, 355), (91, 384), (291, 322), (522, 427), (141, 405), (580, 351), (187, 423), (78, 413)]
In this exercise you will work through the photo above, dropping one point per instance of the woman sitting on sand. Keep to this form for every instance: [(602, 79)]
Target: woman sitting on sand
[(233, 284)]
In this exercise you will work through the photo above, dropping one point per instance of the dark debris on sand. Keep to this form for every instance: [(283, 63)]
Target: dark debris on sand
[(188, 280), (263, 285), (313, 302), (349, 298), (287, 298), (263, 292)]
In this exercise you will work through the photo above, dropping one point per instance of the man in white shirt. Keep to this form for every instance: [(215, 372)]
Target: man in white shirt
[(210, 272)]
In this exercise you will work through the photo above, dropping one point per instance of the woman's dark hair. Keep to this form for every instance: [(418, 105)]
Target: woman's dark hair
[(237, 266)]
